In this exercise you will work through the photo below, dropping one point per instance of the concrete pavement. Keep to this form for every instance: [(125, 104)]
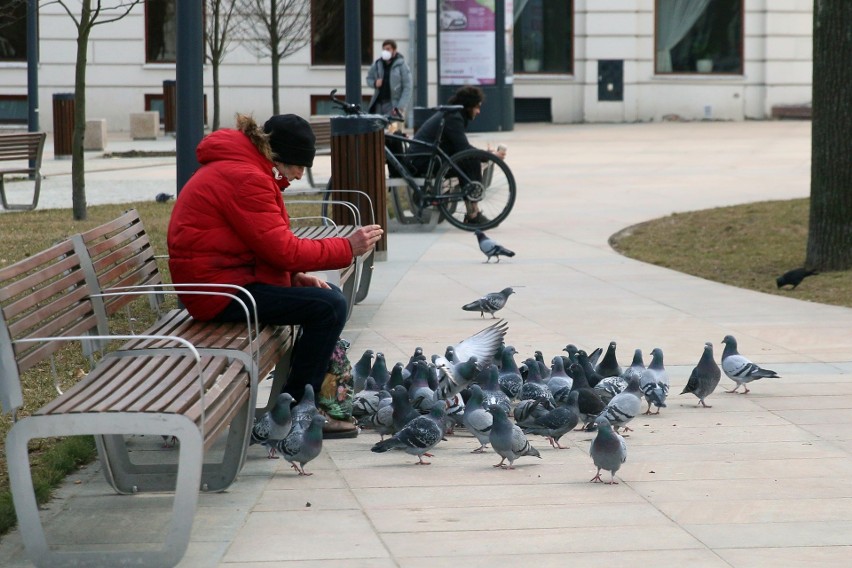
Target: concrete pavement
[(757, 480)]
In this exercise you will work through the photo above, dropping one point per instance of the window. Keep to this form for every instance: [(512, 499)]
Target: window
[(328, 31), (160, 32), (699, 36), (14, 109), (13, 30), (543, 36)]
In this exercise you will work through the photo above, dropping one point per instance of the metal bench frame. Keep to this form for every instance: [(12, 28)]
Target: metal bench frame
[(22, 147)]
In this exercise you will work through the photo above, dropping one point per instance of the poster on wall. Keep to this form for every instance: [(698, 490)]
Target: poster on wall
[(467, 37)]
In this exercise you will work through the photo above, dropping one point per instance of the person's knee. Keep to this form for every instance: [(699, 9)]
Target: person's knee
[(337, 306)]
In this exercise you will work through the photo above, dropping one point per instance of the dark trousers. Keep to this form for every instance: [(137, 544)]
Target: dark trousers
[(320, 315)]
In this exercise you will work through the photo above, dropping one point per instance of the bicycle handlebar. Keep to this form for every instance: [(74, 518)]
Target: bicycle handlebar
[(394, 116)]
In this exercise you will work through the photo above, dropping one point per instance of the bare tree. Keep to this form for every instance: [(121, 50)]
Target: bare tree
[(830, 226), (222, 26), (276, 29), (88, 17)]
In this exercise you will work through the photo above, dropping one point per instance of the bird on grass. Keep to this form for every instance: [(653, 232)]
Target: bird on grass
[(417, 437), (794, 277), (491, 248), (608, 451), (303, 444), (163, 197), (508, 440), (739, 369), (705, 376), (490, 303), (274, 425)]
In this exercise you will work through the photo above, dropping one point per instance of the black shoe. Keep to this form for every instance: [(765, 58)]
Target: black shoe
[(479, 219)]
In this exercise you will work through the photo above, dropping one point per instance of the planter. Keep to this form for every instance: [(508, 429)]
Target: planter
[(532, 65), (704, 65)]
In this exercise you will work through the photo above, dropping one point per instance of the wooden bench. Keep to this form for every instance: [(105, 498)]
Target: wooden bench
[(25, 151), (321, 125), (197, 381)]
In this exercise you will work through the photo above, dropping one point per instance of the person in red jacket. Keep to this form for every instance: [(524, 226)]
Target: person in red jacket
[(230, 226)]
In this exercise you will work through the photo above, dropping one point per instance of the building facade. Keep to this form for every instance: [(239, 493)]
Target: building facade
[(572, 60)]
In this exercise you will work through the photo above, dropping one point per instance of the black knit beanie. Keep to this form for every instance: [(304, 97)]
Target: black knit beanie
[(292, 140)]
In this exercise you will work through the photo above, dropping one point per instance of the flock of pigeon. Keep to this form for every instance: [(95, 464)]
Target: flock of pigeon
[(478, 385)]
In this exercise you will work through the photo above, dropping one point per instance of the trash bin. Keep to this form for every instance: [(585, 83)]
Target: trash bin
[(358, 162), (170, 106), (63, 125)]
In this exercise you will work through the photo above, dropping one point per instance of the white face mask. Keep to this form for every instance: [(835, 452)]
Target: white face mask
[(386, 55)]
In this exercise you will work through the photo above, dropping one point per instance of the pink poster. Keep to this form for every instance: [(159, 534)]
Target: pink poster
[(467, 37)]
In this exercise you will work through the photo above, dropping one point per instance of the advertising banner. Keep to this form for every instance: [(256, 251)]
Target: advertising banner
[(467, 37)]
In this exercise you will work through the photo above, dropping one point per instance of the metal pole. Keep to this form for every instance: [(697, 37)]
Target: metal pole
[(32, 71), (422, 80), (352, 48), (190, 87)]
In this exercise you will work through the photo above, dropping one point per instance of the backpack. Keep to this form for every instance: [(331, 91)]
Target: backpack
[(335, 396)]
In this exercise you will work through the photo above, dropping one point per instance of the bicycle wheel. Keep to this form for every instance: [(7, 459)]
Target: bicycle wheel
[(494, 195)]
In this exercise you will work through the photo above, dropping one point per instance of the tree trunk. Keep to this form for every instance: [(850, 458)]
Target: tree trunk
[(830, 227), (78, 165), (276, 61), (215, 66)]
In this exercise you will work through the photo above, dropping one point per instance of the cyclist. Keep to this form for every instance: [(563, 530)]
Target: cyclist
[(454, 140)]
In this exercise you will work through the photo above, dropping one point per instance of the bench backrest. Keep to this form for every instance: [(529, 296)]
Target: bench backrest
[(121, 256), (44, 295), (22, 146)]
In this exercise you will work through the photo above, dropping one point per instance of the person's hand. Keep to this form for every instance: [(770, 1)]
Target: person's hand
[(364, 239), (500, 151), (302, 280), (378, 83)]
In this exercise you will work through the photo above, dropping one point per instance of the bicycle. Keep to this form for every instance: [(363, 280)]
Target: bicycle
[(445, 183)]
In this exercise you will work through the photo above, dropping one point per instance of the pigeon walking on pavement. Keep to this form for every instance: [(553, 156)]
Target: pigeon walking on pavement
[(491, 248), (305, 410), (705, 376), (624, 406), (508, 440), (490, 303), (739, 369), (557, 422), (417, 437), (654, 382), (477, 419), (303, 444), (274, 425), (361, 370), (608, 451)]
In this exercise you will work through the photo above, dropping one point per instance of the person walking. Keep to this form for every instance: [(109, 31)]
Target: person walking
[(391, 77)]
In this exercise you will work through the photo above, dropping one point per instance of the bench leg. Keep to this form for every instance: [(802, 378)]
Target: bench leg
[(186, 490), (126, 476), (365, 277), (18, 207)]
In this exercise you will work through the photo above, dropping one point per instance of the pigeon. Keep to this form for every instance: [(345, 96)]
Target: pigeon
[(303, 412), (609, 387), (508, 440), (477, 420), (654, 382), (608, 451), (636, 367), (379, 370), (589, 368), (421, 396), (483, 345), (274, 425), (455, 377), (543, 368), (417, 437), (624, 406), (366, 402), (793, 277), (609, 367), (509, 376), (557, 422), (396, 376), (361, 370), (526, 411), (493, 394), (589, 403), (705, 376), (535, 388), (491, 302), (491, 248), (403, 412), (559, 379), (163, 197), (381, 421), (303, 444), (739, 369)]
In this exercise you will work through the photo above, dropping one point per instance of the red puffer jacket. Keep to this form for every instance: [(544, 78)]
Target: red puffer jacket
[(230, 226)]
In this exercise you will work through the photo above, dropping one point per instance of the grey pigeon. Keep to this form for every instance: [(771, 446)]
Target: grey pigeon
[(491, 248), (417, 437), (274, 425), (526, 411), (403, 412), (792, 277), (608, 366), (306, 409), (508, 440), (654, 382), (589, 368), (490, 303), (557, 422), (361, 370), (163, 197), (624, 406), (608, 451), (609, 387), (636, 367), (535, 387), (559, 378), (589, 402), (397, 376), (483, 345), (303, 444), (477, 419), (455, 377), (705, 376), (421, 396), (381, 421), (366, 401), (492, 393), (379, 370), (739, 369), (509, 377)]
